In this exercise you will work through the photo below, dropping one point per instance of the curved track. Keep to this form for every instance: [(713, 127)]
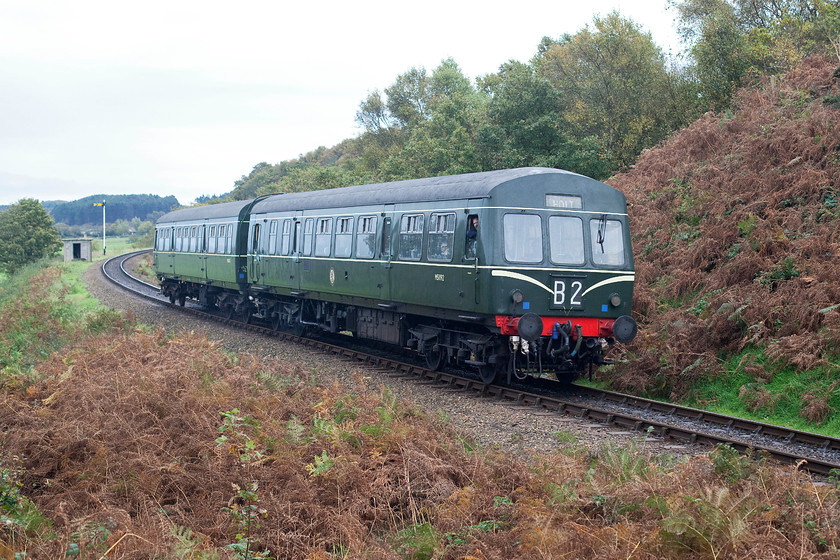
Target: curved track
[(813, 452)]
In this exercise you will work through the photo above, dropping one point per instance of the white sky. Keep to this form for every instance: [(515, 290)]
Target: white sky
[(184, 97)]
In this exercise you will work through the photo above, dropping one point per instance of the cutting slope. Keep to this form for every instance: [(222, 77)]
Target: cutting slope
[(735, 223)]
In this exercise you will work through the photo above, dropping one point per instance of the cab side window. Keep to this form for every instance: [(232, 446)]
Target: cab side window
[(255, 240), (472, 236)]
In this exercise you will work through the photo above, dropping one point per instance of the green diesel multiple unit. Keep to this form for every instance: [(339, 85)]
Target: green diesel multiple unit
[(512, 272)]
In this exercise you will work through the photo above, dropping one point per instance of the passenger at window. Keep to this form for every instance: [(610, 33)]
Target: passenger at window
[(472, 228), (472, 234)]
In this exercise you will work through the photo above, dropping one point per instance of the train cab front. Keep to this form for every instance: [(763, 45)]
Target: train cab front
[(564, 346)]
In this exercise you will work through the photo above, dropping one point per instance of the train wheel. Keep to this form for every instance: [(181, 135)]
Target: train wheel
[(182, 300), (434, 359), (276, 322), (299, 329), (230, 311), (172, 297), (489, 373), (247, 316)]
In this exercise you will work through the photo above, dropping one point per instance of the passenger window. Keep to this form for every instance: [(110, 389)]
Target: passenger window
[(607, 242), (272, 238), (343, 237), (222, 248), (323, 237), (441, 237), (523, 238), (211, 240), (411, 237), (286, 242), (366, 237), (566, 240), (308, 228)]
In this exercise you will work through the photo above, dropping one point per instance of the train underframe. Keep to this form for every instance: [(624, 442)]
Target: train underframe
[(566, 353)]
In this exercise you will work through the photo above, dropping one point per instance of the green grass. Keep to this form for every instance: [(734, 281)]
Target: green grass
[(114, 245), (784, 391), (45, 306)]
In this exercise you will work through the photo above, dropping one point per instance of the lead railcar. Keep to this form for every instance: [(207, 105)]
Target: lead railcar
[(542, 283)]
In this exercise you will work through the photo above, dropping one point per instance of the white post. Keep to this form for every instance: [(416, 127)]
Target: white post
[(102, 204), (103, 227)]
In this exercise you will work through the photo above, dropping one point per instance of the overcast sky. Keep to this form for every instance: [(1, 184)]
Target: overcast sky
[(184, 97)]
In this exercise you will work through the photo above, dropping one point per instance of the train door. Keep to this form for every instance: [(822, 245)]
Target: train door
[(305, 255), (365, 273), (297, 251), (203, 230), (192, 263), (214, 262), (255, 252), (472, 257), (443, 282), (283, 270), (385, 256), (165, 254)]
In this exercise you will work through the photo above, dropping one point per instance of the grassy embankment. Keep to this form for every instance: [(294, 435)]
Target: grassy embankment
[(130, 443)]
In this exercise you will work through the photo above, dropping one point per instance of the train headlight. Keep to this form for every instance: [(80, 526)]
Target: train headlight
[(615, 300), (516, 296)]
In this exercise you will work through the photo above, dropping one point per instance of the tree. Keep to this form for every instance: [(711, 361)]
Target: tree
[(526, 126), (407, 97), (441, 135), (615, 83), (373, 114), (27, 234), (732, 42)]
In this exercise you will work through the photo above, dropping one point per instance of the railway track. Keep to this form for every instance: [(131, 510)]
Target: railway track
[(815, 453)]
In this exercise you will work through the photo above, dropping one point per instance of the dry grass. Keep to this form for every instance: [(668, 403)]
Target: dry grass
[(121, 451)]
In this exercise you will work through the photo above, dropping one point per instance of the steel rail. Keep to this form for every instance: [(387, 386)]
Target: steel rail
[(646, 416)]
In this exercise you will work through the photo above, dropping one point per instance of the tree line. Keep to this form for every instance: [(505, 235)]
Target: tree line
[(588, 102), (117, 207)]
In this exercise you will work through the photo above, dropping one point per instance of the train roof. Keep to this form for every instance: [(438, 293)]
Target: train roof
[(430, 189), (210, 211)]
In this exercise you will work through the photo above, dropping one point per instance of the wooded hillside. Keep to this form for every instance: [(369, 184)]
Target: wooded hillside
[(117, 207)]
